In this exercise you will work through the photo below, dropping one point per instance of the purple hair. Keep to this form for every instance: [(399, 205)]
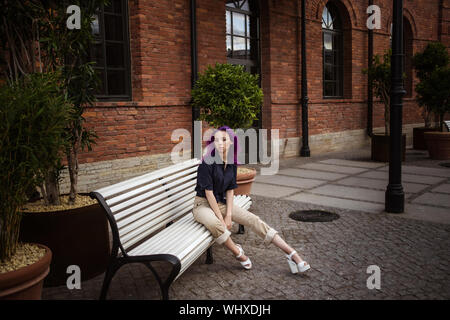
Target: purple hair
[(211, 149)]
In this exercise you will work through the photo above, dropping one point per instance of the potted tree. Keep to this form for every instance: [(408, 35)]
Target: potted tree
[(380, 76), (434, 56), (73, 226), (228, 95), (434, 92), (33, 117)]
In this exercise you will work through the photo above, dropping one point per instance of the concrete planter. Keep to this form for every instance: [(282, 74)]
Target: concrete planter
[(438, 144), (419, 138), (244, 181), (76, 237), (26, 283), (380, 147)]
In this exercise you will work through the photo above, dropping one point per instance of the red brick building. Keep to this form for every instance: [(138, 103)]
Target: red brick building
[(145, 56)]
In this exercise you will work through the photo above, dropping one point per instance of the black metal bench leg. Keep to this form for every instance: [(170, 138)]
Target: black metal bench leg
[(209, 256), (110, 272), (165, 286), (241, 229)]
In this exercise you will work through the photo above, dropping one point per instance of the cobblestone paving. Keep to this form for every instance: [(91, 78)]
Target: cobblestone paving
[(413, 257)]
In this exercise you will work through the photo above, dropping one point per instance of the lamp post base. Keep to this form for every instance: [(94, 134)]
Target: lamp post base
[(395, 200)]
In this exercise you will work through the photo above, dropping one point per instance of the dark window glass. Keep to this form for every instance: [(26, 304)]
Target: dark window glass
[(111, 51), (332, 53)]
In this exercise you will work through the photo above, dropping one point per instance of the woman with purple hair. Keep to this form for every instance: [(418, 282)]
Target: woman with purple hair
[(214, 207)]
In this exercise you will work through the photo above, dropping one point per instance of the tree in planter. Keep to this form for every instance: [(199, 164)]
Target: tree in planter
[(434, 92), (48, 47), (428, 64), (380, 76), (227, 95), (33, 117)]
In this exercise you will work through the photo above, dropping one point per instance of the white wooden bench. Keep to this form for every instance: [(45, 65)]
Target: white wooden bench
[(447, 124), (151, 220)]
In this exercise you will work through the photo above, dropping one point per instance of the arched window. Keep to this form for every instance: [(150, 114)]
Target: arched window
[(332, 33), (242, 34)]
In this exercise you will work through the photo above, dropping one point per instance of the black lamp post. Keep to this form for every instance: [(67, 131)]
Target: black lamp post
[(304, 152), (395, 198)]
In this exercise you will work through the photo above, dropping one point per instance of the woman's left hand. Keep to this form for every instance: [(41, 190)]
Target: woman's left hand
[(228, 221)]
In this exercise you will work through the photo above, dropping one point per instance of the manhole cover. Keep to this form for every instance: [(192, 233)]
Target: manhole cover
[(313, 216), (445, 164)]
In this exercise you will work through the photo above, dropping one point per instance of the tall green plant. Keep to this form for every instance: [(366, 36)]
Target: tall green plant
[(380, 76), (227, 95), (33, 117), (429, 63)]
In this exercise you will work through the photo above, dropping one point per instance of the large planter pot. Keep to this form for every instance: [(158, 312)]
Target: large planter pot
[(380, 147), (438, 144), (419, 138), (26, 283), (76, 237), (244, 181)]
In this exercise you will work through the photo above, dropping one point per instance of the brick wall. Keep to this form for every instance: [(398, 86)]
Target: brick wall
[(161, 70)]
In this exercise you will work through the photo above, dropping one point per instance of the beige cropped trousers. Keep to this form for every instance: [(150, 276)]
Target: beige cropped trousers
[(205, 215)]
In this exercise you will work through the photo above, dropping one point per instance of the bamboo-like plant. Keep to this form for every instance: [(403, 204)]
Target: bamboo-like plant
[(33, 117)]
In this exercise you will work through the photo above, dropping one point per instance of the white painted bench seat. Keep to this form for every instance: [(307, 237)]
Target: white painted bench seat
[(151, 220)]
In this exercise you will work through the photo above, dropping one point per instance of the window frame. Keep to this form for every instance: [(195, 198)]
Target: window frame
[(101, 39), (337, 35)]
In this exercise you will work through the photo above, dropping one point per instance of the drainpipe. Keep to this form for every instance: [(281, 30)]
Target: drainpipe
[(304, 152), (194, 77), (369, 84)]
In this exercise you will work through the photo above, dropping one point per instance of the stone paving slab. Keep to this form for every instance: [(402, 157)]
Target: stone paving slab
[(289, 181), (337, 202), (351, 163), (271, 191), (384, 175), (423, 171), (380, 184), (350, 193), (443, 188), (426, 213), (413, 257), (332, 168), (311, 174), (434, 199)]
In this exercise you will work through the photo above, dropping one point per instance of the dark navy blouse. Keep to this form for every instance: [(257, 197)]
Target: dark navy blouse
[(214, 177)]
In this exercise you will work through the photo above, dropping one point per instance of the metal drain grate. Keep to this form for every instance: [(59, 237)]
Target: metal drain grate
[(313, 216), (445, 164)]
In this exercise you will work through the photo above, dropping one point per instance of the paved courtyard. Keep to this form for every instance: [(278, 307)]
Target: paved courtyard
[(411, 249)]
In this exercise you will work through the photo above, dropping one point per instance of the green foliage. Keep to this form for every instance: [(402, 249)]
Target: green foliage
[(33, 117), (380, 77), (433, 90), (227, 95)]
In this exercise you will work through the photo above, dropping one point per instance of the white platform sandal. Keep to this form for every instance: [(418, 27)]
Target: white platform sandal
[(296, 268), (247, 264)]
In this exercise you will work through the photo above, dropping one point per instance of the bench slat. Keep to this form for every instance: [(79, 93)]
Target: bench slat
[(118, 188), (147, 188)]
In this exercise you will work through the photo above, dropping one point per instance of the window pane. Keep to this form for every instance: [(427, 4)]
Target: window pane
[(230, 3), (114, 55), (243, 4), (328, 57), (228, 18), (238, 24), (327, 41), (101, 87), (329, 72), (328, 89), (97, 54), (113, 28), (95, 26), (229, 49), (116, 82), (114, 6), (248, 48), (238, 47)]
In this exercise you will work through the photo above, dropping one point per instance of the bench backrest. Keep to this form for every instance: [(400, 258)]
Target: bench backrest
[(140, 206), (447, 124)]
